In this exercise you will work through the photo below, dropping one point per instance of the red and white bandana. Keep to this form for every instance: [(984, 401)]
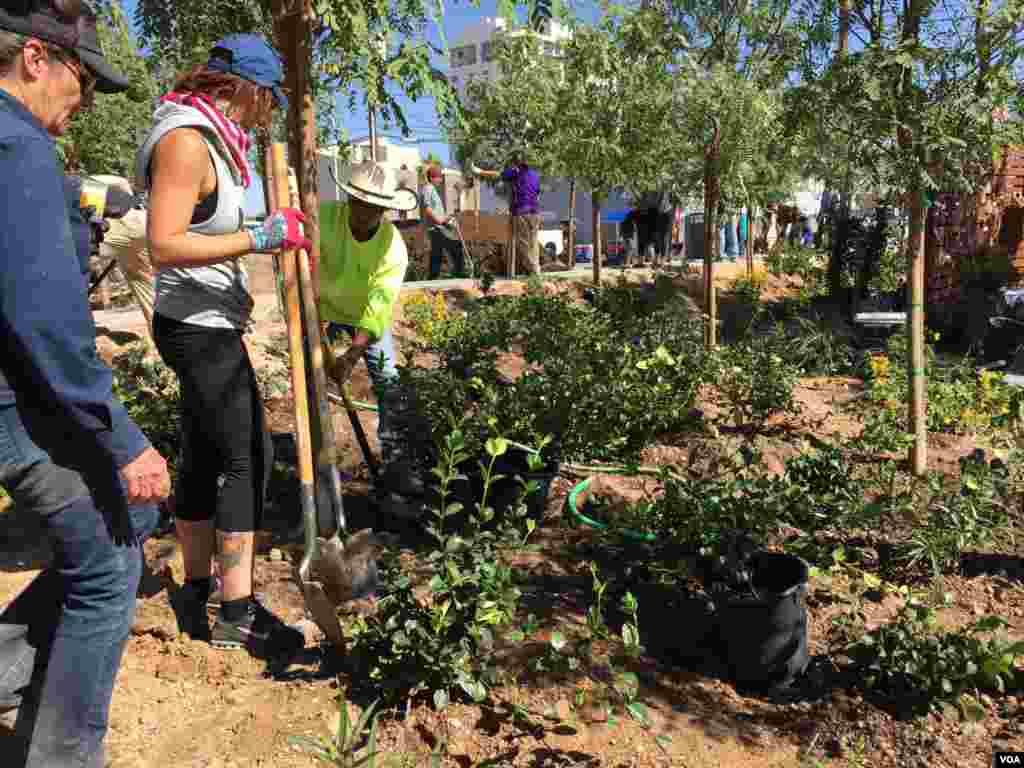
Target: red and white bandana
[(231, 133)]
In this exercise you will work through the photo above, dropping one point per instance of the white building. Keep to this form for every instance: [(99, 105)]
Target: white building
[(472, 57)]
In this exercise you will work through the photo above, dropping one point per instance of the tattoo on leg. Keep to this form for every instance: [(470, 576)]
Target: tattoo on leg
[(231, 549)]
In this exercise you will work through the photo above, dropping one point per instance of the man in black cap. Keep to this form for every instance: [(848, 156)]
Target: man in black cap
[(68, 449)]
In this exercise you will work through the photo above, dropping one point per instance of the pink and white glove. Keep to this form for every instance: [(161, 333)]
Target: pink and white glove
[(282, 230)]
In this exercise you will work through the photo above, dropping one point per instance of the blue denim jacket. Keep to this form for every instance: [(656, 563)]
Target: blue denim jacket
[(48, 362)]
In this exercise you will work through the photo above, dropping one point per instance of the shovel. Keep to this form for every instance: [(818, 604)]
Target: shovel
[(330, 571), (353, 417)]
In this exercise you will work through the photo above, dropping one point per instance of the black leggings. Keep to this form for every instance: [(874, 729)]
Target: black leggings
[(226, 453)]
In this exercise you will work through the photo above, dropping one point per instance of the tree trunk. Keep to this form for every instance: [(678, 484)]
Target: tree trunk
[(843, 43), (597, 238), (571, 246), (712, 195), (294, 33)]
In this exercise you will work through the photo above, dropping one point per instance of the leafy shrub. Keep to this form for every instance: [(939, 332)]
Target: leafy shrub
[(149, 391), (817, 489), (753, 382), (440, 640), (816, 349), (908, 657), (959, 398), (968, 517), (798, 260), (602, 385), (988, 269)]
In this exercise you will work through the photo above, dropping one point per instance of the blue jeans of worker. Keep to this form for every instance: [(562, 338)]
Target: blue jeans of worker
[(63, 716), (381, 366), (721, 242)]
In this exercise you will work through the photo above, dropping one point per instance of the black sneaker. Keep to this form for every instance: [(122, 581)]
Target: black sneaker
[(261, 633), (190, 610)]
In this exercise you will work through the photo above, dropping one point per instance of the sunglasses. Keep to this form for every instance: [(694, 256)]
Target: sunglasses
[(86, 79)]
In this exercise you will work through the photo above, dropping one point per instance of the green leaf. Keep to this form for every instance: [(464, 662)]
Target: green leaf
[(639, 711), (558, 641), (630, 635), (496, 446)]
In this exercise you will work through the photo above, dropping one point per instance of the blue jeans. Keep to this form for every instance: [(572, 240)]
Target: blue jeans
[(80, 636), (381, 366), (721, 241)]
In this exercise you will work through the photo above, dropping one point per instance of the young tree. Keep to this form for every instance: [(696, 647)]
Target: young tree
[(735, 57), (916, 104)]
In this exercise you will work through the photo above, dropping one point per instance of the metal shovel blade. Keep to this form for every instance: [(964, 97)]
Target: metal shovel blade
[(348, 570), (322, 610)]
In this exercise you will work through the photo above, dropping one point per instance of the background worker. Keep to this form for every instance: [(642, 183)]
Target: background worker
[(193, 162), (443, 238), (125, 241), (363, 260), (68, 449), (525, 192)]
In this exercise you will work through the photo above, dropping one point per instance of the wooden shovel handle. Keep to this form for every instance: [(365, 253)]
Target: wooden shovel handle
[(278, 167)]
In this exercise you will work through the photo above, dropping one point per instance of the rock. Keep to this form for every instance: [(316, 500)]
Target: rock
[(276, 555), (977, 610)]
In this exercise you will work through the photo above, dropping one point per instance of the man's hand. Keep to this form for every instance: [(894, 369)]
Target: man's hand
[(339, 368), (147, 478)]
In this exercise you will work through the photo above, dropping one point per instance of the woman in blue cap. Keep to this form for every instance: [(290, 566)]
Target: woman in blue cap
[(194, 164)]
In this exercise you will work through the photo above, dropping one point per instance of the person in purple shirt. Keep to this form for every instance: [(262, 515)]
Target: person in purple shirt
[(525, 185), (69, 451)]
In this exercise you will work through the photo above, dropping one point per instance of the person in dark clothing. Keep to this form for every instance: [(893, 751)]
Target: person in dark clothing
[(68, 449), (654, 226)]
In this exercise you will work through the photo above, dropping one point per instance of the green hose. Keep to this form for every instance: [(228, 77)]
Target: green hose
[(579, 517)]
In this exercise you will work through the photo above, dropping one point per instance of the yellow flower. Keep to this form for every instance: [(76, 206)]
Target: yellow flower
[(880, 367)]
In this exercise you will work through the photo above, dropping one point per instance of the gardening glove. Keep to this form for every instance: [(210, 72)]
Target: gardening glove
[(282, 230)]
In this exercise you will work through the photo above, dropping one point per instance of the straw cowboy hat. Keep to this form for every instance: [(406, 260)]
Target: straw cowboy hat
[(374, 184)]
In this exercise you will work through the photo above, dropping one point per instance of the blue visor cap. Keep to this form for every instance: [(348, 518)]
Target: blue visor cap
[(252, 58)]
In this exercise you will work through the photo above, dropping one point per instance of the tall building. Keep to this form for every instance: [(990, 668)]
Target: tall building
[(472, 55)]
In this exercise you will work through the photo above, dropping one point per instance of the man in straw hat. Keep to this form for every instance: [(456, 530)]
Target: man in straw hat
[(68, 449), (363, 260)]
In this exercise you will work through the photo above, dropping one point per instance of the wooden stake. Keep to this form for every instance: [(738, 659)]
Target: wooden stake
[(511, 244), (571, 245), (915, 328), (597, 238)]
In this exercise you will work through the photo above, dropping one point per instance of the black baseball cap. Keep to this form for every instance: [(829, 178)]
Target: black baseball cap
[(38, 18)]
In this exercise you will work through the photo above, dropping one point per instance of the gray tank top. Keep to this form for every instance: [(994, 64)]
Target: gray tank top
[(217, 295)]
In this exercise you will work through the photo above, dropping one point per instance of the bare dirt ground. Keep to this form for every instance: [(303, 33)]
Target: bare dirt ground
[(182, 703)]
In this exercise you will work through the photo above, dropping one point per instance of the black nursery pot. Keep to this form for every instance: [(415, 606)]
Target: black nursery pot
[(762, 637), (504, 492)]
